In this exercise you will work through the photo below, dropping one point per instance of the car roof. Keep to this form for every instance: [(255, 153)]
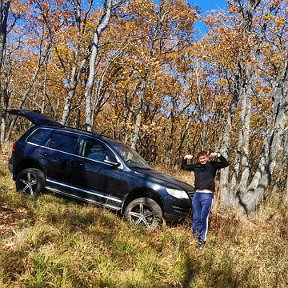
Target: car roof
[(40, 119), (89, 134)]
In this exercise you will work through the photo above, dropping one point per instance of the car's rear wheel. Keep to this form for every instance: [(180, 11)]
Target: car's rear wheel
[(144, 212), (30, 182)]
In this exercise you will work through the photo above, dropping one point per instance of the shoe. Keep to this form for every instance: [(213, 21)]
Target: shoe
[(201, 244)]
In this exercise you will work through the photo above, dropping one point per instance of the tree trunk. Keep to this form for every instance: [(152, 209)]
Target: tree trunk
[(259, 184), (4, 10), (245, 79), (183, 133), (226, 195), (171, 137), (141, 91), (73, 81), (286, 191), (283, 166), (244, 136), (94, 53), (227, 190)]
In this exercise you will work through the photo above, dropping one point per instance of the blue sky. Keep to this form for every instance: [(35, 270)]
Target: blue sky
[(209, 4), (206, 6)]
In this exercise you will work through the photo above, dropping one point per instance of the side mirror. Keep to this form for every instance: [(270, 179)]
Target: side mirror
[(112, 161)]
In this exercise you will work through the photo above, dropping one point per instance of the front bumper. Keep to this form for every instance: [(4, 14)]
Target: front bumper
[(178, 215), (177, 211)]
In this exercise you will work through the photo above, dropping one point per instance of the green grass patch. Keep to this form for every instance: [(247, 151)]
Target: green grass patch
[(56, 242)]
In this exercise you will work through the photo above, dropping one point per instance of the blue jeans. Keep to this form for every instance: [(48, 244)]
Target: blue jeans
[(201, 204)]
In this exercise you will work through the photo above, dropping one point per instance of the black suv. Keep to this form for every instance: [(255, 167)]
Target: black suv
[(96, 169)]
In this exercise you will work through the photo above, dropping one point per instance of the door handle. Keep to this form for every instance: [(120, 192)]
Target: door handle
[(44, 154)]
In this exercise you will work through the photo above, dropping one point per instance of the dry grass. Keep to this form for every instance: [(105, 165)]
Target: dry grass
[(55, 242)]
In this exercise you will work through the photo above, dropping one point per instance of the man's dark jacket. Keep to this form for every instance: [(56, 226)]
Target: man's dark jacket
[(205, 174)]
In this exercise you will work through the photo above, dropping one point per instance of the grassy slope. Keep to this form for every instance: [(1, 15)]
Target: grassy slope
[(55, 242)]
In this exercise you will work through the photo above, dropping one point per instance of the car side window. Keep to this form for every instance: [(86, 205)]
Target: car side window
[(40, 136), (95, 150), (63, 142)]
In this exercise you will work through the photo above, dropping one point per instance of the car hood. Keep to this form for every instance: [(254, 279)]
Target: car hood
[(35, 117), (165, 180)]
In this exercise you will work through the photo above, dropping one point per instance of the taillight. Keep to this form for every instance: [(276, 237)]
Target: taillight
[(14, 146)]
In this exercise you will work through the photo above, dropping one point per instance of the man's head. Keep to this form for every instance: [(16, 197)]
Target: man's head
[(202, 157)]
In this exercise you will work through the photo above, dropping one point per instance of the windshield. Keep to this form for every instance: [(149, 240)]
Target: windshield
[(130, 156)]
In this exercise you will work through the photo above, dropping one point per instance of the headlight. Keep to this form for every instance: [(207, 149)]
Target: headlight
[(181, 194)]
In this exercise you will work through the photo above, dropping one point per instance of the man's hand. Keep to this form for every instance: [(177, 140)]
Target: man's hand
[(189, 157), (215, 154)]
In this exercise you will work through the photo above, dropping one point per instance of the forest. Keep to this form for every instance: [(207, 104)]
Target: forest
[(140, 71)]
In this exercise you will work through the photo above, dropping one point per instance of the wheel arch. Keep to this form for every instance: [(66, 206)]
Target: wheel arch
[(27, 163), (143, 192)]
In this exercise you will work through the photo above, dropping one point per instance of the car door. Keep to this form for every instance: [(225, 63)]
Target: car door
[(96, 175), (59, 155), (35, 117)]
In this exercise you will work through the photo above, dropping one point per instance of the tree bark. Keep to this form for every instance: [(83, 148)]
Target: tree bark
[(94, 53), (283, 166), (226, 197), (244, 135), (259, 184), (4, 10), (140, 92), (76, 70)]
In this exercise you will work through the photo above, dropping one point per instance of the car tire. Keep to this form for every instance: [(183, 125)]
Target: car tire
[(144, 212), (30, 182)]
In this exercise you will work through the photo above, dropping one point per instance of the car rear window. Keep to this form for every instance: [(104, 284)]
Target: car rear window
[(40, 136), (63, 142)]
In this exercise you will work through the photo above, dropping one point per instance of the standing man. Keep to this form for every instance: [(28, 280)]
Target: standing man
[(205, 172)]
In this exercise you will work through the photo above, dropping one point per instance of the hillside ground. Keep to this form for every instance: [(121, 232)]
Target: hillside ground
[(57, 242)]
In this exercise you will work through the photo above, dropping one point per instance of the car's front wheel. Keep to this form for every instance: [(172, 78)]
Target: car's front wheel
[(144, 212), (30, 181)]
